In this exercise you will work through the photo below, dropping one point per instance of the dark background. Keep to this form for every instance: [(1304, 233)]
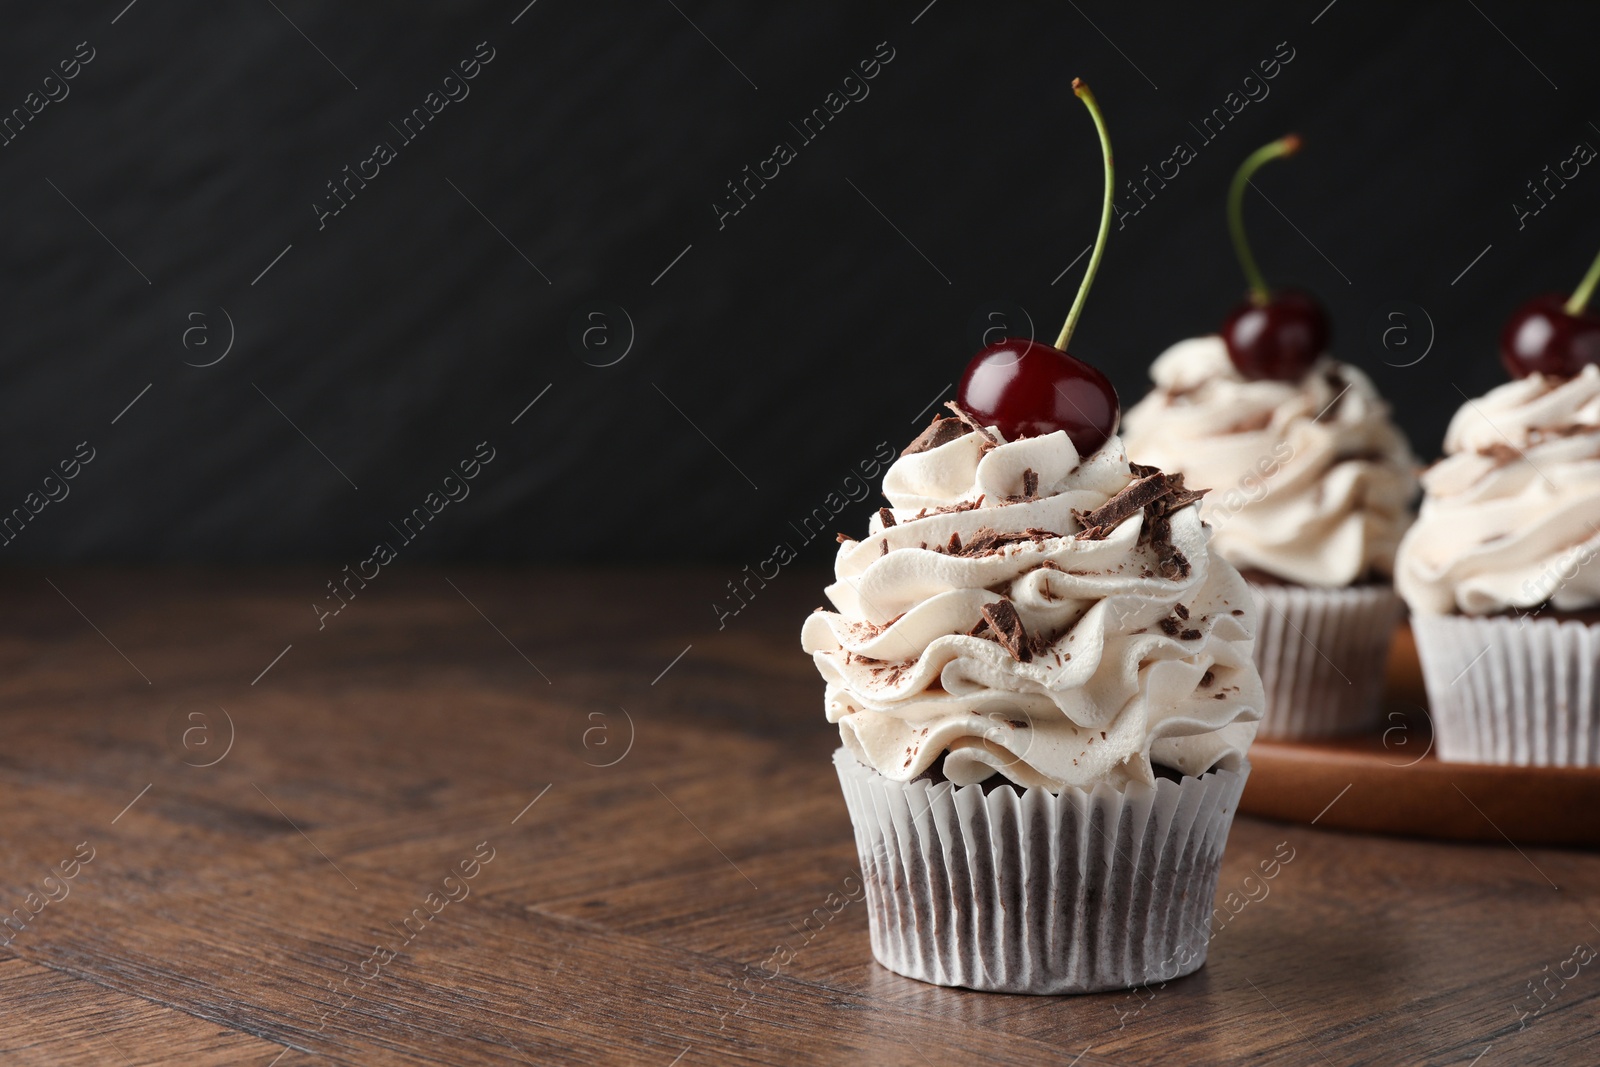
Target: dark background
[(796, 339)]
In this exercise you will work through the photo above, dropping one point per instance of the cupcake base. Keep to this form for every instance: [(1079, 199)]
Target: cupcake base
[(1322, 654), (1035, 892), (1508, 690)]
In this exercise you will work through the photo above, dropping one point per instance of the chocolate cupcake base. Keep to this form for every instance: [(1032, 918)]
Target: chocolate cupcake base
[(1036, 892)]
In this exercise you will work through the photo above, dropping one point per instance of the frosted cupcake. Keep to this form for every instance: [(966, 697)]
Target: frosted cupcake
[(1311, 485), (1042, 679), (1500, 570)]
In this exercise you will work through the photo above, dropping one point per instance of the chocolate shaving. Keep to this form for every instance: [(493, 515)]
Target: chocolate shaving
[(988, 541), (1005, 629), (1500, 453), (885, 544), (1170, 560), (1180, 611), (885, 517), (843, 539), (895, 672), (1169, 627), (1129, 501), (1190, 635), (956, 508), (1538, 435), (1030, 489), (1018, 724), (941, 431), (1157, 531), (973, 424), (1163, 494), (1181, 498), (1207, 679), (1258, 421)]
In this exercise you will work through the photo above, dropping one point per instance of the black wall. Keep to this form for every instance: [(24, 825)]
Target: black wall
[(796, 335)]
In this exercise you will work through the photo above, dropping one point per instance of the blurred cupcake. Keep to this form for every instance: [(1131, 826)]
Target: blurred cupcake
[(1310, 483), (1500, 575), (1310, 489), (1042, 679)]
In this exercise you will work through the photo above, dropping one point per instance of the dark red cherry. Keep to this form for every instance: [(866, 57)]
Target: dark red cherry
[(1280, 339), (1543, 337), (1027, 389)]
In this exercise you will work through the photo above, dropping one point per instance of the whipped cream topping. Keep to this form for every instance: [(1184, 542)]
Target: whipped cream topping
[(1310, 481), (974, 621), (1511, 516)]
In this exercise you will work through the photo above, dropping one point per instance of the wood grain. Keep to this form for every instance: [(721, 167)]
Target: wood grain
[(683, 825)]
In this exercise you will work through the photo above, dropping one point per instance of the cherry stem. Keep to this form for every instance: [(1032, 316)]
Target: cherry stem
[(1283, 146), (1580, 297), (1082, 92)]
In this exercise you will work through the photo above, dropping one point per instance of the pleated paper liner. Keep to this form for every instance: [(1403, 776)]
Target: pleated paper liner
[(1391, 780), (1321, 653), (1511, 690), (1034, 892)]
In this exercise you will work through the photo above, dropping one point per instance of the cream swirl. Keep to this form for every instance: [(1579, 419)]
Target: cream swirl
[(1310, 480), (1117, 658), (1511, 516)]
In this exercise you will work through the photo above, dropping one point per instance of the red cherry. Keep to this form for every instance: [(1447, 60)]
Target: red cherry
[(1027, 389), (1543, 337), (1280, 339)]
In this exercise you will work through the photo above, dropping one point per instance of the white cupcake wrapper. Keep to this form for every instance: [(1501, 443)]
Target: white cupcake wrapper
[(1512, 691), (1322, 654), (1038, 892)]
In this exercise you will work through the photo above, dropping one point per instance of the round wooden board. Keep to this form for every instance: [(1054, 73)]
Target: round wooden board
[(1391, 783)]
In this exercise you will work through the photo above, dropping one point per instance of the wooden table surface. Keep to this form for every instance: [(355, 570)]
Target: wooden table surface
[(492, 816)]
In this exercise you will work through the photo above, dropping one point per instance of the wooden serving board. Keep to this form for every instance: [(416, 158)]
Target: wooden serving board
[(1390, 782)]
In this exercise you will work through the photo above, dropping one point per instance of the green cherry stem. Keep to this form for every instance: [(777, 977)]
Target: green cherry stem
[(1580, 297), (1283, 146), (1082, 92)]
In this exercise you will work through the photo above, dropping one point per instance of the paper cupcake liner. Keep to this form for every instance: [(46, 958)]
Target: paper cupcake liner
[(1037, 892), (1322, 654), (1512, 690)]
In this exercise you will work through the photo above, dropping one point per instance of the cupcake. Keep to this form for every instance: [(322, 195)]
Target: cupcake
[(1500, 570), (1310, 484), (1042, 679), (1045, 693)]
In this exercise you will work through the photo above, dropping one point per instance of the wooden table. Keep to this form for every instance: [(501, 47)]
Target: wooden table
[(274, 906)]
